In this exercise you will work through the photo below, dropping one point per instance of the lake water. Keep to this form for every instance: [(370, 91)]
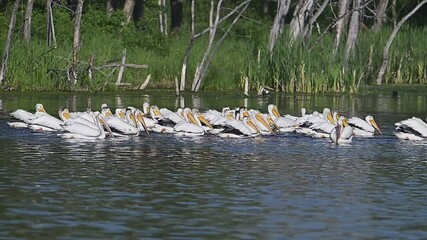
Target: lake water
[(169, 187)]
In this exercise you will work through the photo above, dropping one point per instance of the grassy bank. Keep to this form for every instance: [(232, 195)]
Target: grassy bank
[(311, 68)]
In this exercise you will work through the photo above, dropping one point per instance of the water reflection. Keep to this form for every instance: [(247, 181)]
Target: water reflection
[(163, 186)]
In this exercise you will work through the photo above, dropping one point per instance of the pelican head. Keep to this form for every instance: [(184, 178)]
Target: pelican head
[(303, 112), (146, 108), (372, 122), (64, 114), (105, 110), (121, 113), (273, 111), (40, 108)]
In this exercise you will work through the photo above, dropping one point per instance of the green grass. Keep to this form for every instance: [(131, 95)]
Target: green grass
[(291, 68)]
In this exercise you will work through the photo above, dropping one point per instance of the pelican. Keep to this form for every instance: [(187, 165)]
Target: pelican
[(316, 118), (260, 120), (66, 116), (365, 127), (411, 129), (342, 133), (284, 124), (189, 126), (75, 129), (25, 116), (239, 129), (119, 125)]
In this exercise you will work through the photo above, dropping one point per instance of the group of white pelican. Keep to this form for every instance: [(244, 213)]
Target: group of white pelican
[(227, 123)]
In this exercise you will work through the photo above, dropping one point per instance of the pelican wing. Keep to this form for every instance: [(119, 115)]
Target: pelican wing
[(361, 124), (238, 125), (23, 115), (81, 129), (189, 128), (46, 120), (416, 124), (121, 126)]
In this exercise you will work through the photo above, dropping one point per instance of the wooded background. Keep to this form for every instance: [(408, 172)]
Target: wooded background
[(287, 45)]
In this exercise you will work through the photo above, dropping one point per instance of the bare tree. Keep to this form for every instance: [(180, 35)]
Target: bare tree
[(380, 15), (207, 58), (303, 8), (27, 22), (240, 8), (340, 24), (308, 27), (391, 39), (76, 41), (353, 31), (162, 17), (128, 10), (279, 23), (8, 43), (51, 39)]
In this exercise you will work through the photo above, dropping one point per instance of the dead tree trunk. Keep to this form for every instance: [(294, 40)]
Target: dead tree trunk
[(353, 32), (51, 39), (207, 58), (391, 39), (128, 10), (307, 29), (279, 23), (110, 7), (194, 37), (380, 16), (27, 21), (187, 53), (162, 17), (341, 23), (299, 18), (76, 42), (8, 43)]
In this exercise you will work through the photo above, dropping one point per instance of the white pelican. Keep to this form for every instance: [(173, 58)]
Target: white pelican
[(316, 118), (411, 129), (365, 127), (75, 129), (188, 127), (44, 121), (260, 120), (25, 116), (66, 116), (238, 129), (342, 133), (284, 124), (119, 125)]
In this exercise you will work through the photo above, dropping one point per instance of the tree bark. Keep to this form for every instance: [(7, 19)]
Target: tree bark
[(128, 10), (380, 15), (299, 18), (76, 41), (278, 24), (341, 23), (176, 15), (353, 32), (187, 53), (8, 43), (391, 39), (27, 22)]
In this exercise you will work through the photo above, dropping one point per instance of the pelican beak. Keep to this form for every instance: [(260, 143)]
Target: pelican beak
[(272, 123), (121, 115), (330, 118), (263, 122), (204, 121), (157, 113), (42, 110), (191, 118), (252, 125), (374, 124), (276, 112), (229, 115), (345, 122), (245, 114), (101, 120), (108, 113), (141, 119), (67, 115)]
